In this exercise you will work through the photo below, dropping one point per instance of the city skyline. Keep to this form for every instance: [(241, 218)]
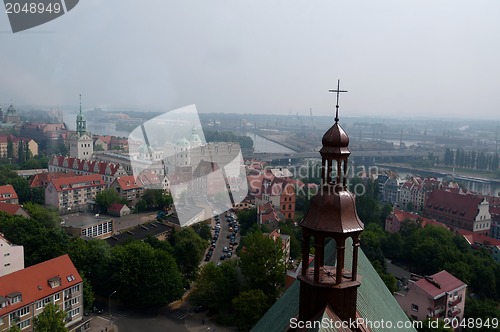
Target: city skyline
[(395, 59)]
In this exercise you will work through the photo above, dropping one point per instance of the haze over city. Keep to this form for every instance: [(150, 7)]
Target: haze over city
[(397, 59)]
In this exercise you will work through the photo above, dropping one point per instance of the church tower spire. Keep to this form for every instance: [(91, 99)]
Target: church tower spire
[(332, 215), (81, 123)]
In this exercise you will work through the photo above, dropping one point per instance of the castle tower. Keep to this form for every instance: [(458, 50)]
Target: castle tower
[(332, 215), (81, 144)]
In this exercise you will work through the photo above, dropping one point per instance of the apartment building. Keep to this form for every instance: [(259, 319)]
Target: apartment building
[(438, 296), (73, 193), (129, 188), (24, 293)]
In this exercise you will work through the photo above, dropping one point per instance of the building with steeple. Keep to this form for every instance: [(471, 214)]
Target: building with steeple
[(11, 115), (332, 215), (338, 289), (81, 145)]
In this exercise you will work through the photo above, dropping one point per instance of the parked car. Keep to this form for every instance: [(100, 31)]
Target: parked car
[(199, 308), (222, 257)]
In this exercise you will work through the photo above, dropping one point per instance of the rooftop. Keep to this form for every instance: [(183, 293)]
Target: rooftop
[(32, 283), (439, 284), (82, 219), (140, 232), (375, 302), (77, 182)]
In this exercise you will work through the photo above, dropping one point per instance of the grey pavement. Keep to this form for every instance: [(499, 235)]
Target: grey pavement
[(133, 220), (101, 324)]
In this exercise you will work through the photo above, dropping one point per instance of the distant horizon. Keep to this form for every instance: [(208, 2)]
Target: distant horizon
[(75, 109)]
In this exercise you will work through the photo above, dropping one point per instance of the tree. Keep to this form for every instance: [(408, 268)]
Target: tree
[(107, 197), (40, 243), (156, 199), (247, 219), (249, 306), (50, 320), (49, 217), (215, 286), (262, 264), (21, 156), (481, 309), (143, 276), (88, 294), (91, 258), (22, 188), (189, 248), (10, 148), (37, 196), (203, 230)]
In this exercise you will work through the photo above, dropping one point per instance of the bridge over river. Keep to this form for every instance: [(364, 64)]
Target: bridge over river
[(355, 154)]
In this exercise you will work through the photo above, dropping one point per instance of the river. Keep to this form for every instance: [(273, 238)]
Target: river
[(484, 187), (263, 145)]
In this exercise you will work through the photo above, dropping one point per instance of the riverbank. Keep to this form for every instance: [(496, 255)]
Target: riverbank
[(457, 173)]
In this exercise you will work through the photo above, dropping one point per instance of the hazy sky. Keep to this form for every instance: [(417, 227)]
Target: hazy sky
[(396, 58)]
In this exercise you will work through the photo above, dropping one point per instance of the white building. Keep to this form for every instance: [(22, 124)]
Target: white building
[(11, 257)]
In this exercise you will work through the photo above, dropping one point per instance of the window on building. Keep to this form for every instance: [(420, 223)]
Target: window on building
[(23, 311), (414, 307)]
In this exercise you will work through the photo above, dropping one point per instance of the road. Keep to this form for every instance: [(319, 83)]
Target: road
[(222, 241)]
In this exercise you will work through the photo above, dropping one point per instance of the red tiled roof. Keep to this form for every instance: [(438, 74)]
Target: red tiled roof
[(115, 207), (453, 203), (9, 208), (65, 184), (105, 139), (149, 178), (5, 138), (400, 216), (128, 182), (474, 238), (91, 166), (6, 190), (43, 179), (446, 281), (32, 282)]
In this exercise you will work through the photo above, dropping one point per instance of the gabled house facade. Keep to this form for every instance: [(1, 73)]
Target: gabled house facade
[(8, 194)]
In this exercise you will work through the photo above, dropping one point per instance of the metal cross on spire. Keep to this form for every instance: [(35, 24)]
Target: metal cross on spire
[(338, 91), (81, 103)]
